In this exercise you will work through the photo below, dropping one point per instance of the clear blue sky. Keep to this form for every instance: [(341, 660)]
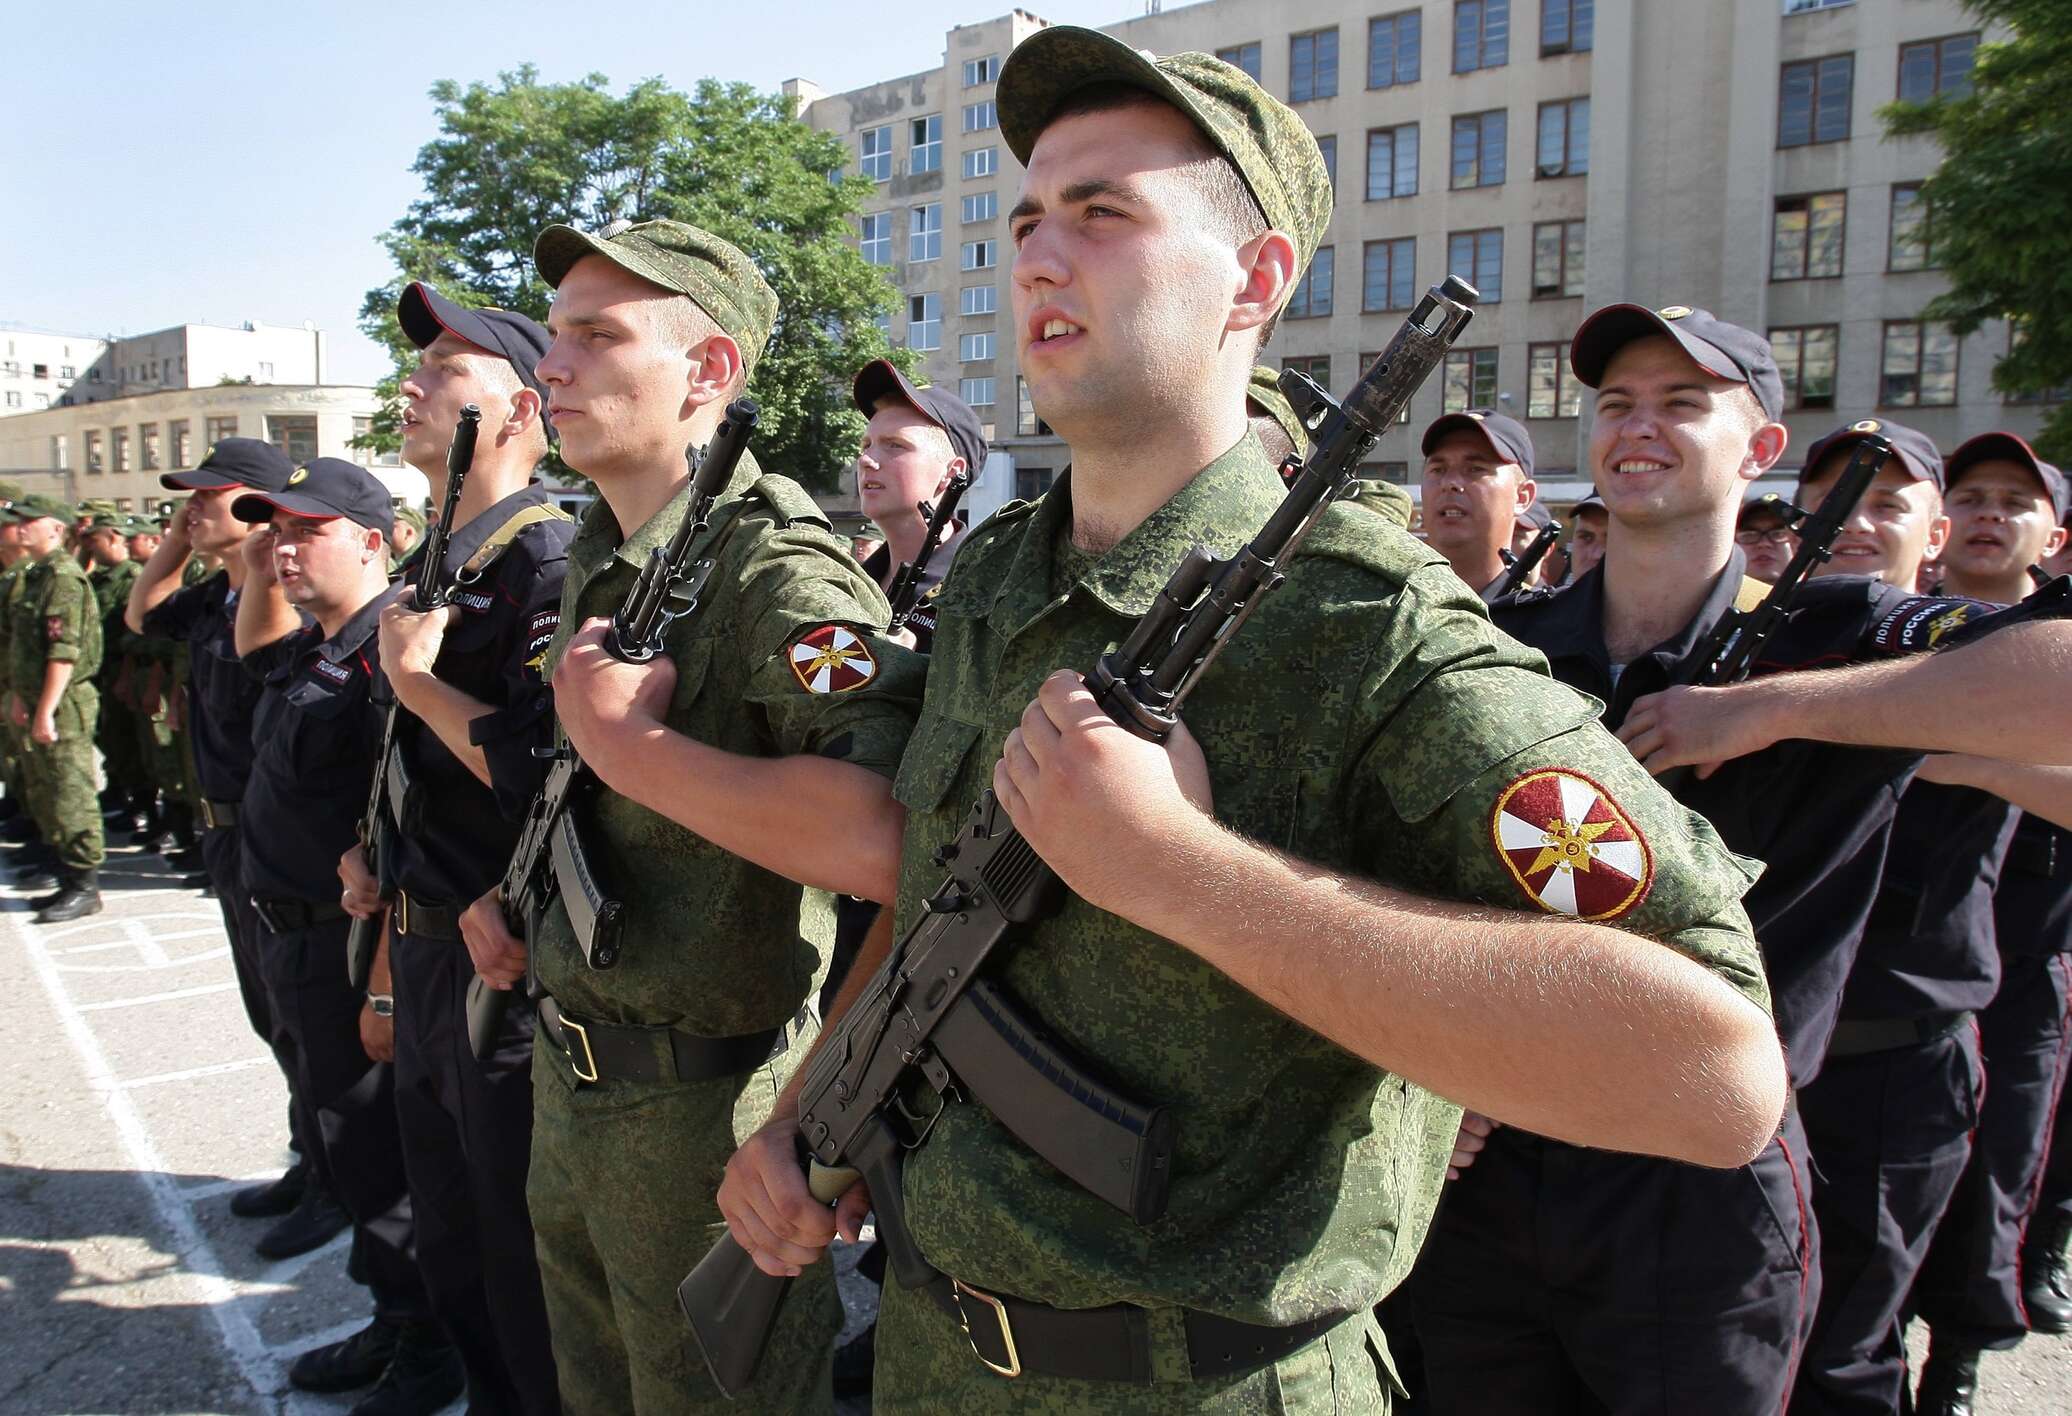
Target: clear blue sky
[(216, 162)]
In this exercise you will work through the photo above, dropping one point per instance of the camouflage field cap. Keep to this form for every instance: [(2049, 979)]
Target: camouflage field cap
[(680, 258), (1264, 393), (1271, 148), (37, 505), (412, 516)]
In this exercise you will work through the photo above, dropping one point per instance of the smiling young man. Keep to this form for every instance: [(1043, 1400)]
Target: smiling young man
[(1477, 486), (1302, 1012)]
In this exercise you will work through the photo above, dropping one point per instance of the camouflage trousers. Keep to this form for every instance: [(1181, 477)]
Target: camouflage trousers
[(58, 781), (122, 752), (925, 1363), (621, 1191)]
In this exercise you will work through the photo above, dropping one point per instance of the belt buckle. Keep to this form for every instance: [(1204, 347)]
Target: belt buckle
[(208, 814), (958, 1289), (582, 1035), (402, 912)]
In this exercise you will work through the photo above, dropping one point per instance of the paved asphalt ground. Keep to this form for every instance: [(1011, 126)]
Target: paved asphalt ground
[(138, 1099)]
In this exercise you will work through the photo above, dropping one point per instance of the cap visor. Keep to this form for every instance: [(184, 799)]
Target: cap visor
[(881, 379), (558, 248), (259, 507), (201, 479), (1616, 326)]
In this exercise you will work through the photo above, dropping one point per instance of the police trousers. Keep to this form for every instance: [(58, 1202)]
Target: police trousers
[(1970, 1287), (1558, 1279), (1891, 1132), (222, 855), (467, 1142), (351, 1101)]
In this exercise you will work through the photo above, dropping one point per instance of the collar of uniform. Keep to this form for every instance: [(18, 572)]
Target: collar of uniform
[(469, 538), (1221, 507), (1718, 601), (1570, 623), (600, 526), (356, 631)]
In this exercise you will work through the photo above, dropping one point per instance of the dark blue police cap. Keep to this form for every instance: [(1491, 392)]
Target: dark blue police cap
[(2011, 448), (235, 462), (1917, 453), (1506, 437), (425, 314), (1726, 351), (881, 379), (326, 489)]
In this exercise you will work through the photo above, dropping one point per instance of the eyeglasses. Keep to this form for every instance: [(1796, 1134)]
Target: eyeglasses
[(1776, 536)]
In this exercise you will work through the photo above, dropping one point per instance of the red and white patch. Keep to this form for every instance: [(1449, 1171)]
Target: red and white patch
[(54, 627), (1570, 846), (831, 659)]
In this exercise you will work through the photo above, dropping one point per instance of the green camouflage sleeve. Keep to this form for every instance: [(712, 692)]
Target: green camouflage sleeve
[(70, 617), (822, 673), (1487, 781)]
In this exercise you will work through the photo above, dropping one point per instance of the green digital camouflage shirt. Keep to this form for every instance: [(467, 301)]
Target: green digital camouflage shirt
[(782, 657), (1369, 719), (56, 618), (10, 595), (112, 585)]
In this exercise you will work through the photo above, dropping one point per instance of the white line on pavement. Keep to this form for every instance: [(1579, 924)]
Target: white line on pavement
[(195, 1194), (212, 1070), (155, 997)]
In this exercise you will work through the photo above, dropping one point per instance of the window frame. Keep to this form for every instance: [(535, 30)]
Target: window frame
[(918, 232), (1921, 328), (1815, 65), (1569, 166), (1480, 119), (1561, 290), (1567, 44), (1325, 260), (864, 241), (1927, 231), (988, 246), (1257, 50), (1936, 89), (1777, 211), (966, 305), (883, 156), (1316, 94), (1394, 21), (1482, 57), (924, 320), (1565, 381), (1794, 380), (1492, 290), (931, 146), (1473, 355), (965, 207), (1394, 133), (1407, 278)]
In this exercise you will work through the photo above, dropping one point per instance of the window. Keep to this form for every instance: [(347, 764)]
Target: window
[(971, 348), (875, 237), (978, 117), (1388, 274), (363, 427), (1313, 65), (1565, 138), (1907, 245), (981, 71), (1478, 258), (14, 399), (1470, 380), (1806, 236), (41, 371), (1806, 363), (979, 300), (119, 449), (1328, 146), (1394, 43), (924, 144), (980, 255), (1397, 472), (1813, 100), (1245, 56), (1919, 367), (1478, 148), (178, 431), (874, 157), (1027, 423), (66, 371), (1481, 35), (981, 206), (979, 393), (1936, 68), (59, 454), (296, 435), (1552, 389), (924, 232), (1557, 260), (1316, 366), (924, 322), (1392, 162), (1312, 295), (147, 445), (1567, 26), (219, 429), (1031, 482), (93, 453), (981, 162), (12, 366), (1800, 7)]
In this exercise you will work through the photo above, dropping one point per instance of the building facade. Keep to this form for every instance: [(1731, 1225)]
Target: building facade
[(1559, 154), (44, 369)]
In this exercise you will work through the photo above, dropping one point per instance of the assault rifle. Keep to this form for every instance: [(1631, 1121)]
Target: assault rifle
[(549, 848), (1521, 566), (906, 586), (430, 592), (930, 1014)]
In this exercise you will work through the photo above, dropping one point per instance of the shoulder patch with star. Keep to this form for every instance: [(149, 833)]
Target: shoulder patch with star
[(1572, 849), (831, 659)]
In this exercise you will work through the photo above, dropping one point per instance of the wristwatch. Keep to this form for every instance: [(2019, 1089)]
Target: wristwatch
[(383, 1004)]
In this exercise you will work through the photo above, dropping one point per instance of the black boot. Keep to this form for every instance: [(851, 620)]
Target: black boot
[(275, 1197), (2047, 1277), (311, 1224), (423, 1377), (356, 1362), (79, 895), (1949, 1381), (36, 869)]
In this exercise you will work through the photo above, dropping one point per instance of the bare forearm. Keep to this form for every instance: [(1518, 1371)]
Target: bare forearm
[(2040, 791), (1572, 1030), (449, 713), (57, 677), (156, 583), (828, 824), (264, 617)]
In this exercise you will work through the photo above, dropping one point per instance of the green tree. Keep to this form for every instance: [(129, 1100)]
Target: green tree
[(515, 157), (1999, 206)]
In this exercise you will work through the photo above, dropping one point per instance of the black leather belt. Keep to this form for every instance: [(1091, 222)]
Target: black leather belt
[(627, 1053), (423, 921), (215, 815), (284, 916), (1860, 1038), (1112, 1344)]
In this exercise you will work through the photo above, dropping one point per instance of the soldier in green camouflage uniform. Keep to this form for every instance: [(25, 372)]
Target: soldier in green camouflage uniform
[(14, 562), (113, 572), (56, 622), (1311, 1018), (648, 1074)]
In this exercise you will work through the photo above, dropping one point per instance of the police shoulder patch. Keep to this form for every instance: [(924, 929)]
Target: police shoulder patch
[(1570, 846), (831, 659)]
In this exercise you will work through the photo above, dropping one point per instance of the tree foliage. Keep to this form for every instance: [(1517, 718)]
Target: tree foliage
[(518, 156), (1999, 207)]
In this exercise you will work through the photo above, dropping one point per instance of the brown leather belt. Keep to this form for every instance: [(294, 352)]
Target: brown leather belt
[(625, 1052)]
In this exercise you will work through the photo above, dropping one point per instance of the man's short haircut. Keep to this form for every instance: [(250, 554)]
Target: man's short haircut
[(1229, 203), (679, 321)]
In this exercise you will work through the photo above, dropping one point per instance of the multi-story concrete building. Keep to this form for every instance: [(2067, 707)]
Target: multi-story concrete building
[(1560, 154), (43, 369)]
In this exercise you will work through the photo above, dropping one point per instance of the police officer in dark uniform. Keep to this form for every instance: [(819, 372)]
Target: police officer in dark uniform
[(1477, 484), (1763, 532), (474, 708), (1543, 1253), (317, 732), (222, 699)]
